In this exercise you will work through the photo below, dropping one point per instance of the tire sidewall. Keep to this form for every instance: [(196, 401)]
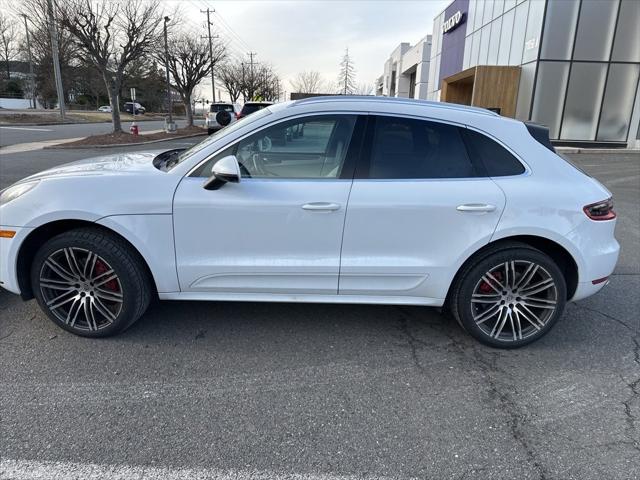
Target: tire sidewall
[(127, 314), (472, 276)]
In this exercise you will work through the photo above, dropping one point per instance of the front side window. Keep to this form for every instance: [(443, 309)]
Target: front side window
[(310, 147), (406, 148)]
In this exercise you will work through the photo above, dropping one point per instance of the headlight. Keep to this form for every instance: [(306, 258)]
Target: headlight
[(15, 191)]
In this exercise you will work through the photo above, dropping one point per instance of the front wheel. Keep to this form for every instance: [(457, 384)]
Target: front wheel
[(90, 282), (510, 297)]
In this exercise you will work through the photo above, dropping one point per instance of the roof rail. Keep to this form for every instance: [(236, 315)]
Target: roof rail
[(398, 100)]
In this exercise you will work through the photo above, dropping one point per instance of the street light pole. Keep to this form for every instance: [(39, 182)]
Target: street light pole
[(33, 80), (166, 68), (56, 61)]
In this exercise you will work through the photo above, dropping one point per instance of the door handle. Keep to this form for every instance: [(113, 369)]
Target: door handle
[(321, 206), (476, 207)]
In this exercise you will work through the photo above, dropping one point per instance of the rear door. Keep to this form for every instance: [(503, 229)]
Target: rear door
[(418, 204)]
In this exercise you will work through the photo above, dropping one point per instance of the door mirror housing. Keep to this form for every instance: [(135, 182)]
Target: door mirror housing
[(227, 169)]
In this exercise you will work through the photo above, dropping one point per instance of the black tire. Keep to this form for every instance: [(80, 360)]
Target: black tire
[(210, 131), (133, 285), (496, 260)]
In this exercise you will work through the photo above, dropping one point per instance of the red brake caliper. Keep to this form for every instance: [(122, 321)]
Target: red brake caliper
[(485, 287), (101, 268)]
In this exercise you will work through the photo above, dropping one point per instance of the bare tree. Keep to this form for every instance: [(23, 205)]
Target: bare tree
[(347, 77), (308, 82), (111, 35), (230, 74), (190, 61), (363, 89), (8, 41)]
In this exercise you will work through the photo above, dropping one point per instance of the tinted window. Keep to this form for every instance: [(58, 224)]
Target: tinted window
[(496, 159), (406, 148), (220, 108), (313, 147), (251, 107)]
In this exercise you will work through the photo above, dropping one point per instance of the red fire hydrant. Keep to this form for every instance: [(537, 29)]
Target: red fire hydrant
[(133, 129)]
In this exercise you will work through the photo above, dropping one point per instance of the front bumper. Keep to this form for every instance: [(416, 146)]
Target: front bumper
[(9, 248)]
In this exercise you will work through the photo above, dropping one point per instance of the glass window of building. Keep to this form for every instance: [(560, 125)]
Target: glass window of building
[(494, 42), (475, 50), (618, 102), (559, 30), (505, 38), (596, 26), (468, 45), (477, 20), (484, 44), (584, 96), (488, 11), (517, 42), (498, 6), (551, 86), (626, 46), (525, 89), (534, 27), (471, 16)]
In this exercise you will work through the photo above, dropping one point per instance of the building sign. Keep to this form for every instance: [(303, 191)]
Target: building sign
[(453, 22)]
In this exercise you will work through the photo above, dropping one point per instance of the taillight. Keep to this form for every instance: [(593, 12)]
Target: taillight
[(238, 116), (600, 211)]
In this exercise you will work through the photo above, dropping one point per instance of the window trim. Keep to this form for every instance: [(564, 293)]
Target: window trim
[(351, 159), (364, 165)]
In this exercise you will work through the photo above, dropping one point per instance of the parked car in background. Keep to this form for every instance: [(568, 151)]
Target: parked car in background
[(251, 107), (380, 201), (130, 106), (105, 109), (220, 115)]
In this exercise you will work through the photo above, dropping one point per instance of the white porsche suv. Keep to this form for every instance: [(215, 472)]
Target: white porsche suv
[(373, 200)]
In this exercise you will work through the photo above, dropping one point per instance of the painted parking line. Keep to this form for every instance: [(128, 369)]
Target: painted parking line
[(33, 470), (27, 129), (29, 147)]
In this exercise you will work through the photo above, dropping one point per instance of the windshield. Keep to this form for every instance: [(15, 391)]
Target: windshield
[(252, 107), (216, 136)]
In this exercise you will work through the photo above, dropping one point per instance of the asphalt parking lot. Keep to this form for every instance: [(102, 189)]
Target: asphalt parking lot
[(275, 391)]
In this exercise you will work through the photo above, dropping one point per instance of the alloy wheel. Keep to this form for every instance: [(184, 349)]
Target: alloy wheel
[(81, 289), (514, 300)]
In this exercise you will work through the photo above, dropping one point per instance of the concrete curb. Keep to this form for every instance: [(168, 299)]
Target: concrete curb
[(116, 145), (595, 150)]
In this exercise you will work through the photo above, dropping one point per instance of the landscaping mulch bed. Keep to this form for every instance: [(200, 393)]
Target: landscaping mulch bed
[(125, 138)]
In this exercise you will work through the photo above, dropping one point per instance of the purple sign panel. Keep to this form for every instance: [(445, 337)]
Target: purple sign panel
[(454, 30)]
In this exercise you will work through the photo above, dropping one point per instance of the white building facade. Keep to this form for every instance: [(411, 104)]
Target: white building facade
[(406, 72)]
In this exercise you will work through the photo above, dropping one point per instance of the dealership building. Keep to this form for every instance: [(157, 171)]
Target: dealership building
[(572, 65)]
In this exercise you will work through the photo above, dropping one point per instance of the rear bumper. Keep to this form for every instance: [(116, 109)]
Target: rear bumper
[(9, 248), (599, 251)]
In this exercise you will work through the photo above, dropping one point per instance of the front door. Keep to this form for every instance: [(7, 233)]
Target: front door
[(418, 204), (279, 230)]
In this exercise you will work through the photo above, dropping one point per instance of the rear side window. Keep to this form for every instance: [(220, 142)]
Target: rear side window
[(497, 161), (404, 148)]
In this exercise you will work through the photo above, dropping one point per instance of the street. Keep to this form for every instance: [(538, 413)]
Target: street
[(14, 134), (324, 392)]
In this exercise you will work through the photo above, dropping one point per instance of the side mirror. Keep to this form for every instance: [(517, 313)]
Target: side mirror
[(225, 170)]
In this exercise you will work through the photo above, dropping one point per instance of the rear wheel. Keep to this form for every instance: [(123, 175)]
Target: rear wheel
[(510, 297), (90, 282)]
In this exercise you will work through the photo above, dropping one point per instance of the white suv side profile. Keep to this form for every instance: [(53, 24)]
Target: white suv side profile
[(334, 199)]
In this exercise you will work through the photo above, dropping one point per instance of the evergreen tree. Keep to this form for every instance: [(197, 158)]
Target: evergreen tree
[(347, 78)]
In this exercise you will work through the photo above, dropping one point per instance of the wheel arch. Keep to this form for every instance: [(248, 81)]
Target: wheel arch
[(558, 253), (40, 235)]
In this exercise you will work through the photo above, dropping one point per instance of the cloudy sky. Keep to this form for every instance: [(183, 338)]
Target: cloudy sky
[(311, 34)]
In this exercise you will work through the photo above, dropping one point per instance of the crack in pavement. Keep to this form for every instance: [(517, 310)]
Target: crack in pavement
[(630, 418), (498, 390)]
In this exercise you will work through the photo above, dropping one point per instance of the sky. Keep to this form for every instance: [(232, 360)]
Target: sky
[(294, 36)]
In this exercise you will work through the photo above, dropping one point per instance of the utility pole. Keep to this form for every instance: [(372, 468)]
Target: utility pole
[(213, 80), (169, 125), (56, 60), (33, 80), (251, 54)]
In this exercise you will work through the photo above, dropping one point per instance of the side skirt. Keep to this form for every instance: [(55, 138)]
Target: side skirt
[(273, 297)]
